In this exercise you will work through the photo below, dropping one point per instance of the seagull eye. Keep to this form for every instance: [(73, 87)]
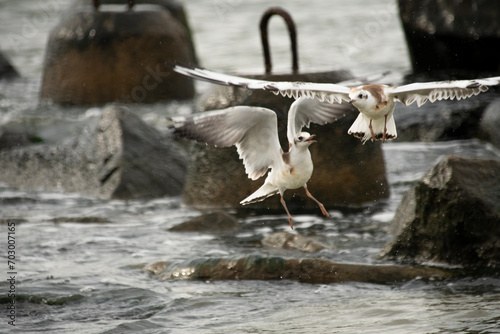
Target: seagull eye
[(300, 138), (361, 96)]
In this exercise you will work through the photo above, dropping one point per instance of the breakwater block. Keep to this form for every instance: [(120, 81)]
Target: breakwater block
[(95, 56)]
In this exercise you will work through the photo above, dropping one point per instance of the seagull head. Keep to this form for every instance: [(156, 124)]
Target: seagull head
[(304, 139), (362, 99)]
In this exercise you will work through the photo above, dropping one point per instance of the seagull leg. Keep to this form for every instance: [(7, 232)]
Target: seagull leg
[(385, 129), (371, 130), (288, 213), (321, 206)]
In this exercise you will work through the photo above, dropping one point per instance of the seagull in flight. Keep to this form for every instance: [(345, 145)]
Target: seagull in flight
[(375, 102), (254, 132)]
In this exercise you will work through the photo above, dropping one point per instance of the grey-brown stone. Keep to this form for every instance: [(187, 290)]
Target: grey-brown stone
[(81, 220), (218, 221), (117, 156), (317, 271), (451, 216), (98, 56), (287, 240), (157, 267)]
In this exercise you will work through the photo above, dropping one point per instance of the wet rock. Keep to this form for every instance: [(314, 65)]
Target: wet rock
[(346, 173), (454, 34), (7, 71), (157, 267), (12, 139), (451, 216), (7, 221), (286, 240), (99, 56), (83, 220), (117, 156), (316, 271), (211, 222), (490, 123)]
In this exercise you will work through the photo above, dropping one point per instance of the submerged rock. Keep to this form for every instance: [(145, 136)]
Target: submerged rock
[(99, 56), (316, 271), (157, 267), (287, 240), (451, 216), (7, 71), (7, 221), (346, 173), (490, 123), (117, 157), (82, 220), (443, 35), (211, 222), (12, 139)]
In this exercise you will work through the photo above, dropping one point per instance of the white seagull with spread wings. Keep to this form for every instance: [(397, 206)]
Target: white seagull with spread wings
[(254, 132), (376, 103)]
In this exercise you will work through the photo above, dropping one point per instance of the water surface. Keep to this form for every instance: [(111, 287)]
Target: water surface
[(88, 277)]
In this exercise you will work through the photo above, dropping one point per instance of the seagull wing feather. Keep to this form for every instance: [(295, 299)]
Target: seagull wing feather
[(305, 111), (441, 90), (253, 130), (331, 93)]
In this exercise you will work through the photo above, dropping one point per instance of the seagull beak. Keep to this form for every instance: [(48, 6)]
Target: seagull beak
[(311, 139)]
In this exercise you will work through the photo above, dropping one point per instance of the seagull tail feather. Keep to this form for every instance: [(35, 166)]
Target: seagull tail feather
[(265, 191), (361, 128)]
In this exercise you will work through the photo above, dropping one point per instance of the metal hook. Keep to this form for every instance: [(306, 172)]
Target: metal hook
[(265, 41)]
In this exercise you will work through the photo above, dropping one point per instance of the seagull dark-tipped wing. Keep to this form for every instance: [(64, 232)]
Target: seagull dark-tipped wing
[(305, 111), (253, 130), (322, 91), (441, 90)]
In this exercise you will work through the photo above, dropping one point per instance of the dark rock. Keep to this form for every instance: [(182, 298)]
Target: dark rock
[(316, 271), (7, 71), (490, 123), (117, 157), (12, 139), (95, 57), (286, 240), (7, 221), (451, 216), (447, 35), (83, 220), (346, 173), (211, 222)]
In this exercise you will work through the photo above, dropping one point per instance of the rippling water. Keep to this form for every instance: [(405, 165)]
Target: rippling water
[(87, 278)]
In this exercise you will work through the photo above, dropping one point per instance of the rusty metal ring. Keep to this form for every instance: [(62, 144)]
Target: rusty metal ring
[(265, 41)]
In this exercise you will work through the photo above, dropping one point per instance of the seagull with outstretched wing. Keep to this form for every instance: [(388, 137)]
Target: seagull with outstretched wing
[(375, 102), (254, 132)]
